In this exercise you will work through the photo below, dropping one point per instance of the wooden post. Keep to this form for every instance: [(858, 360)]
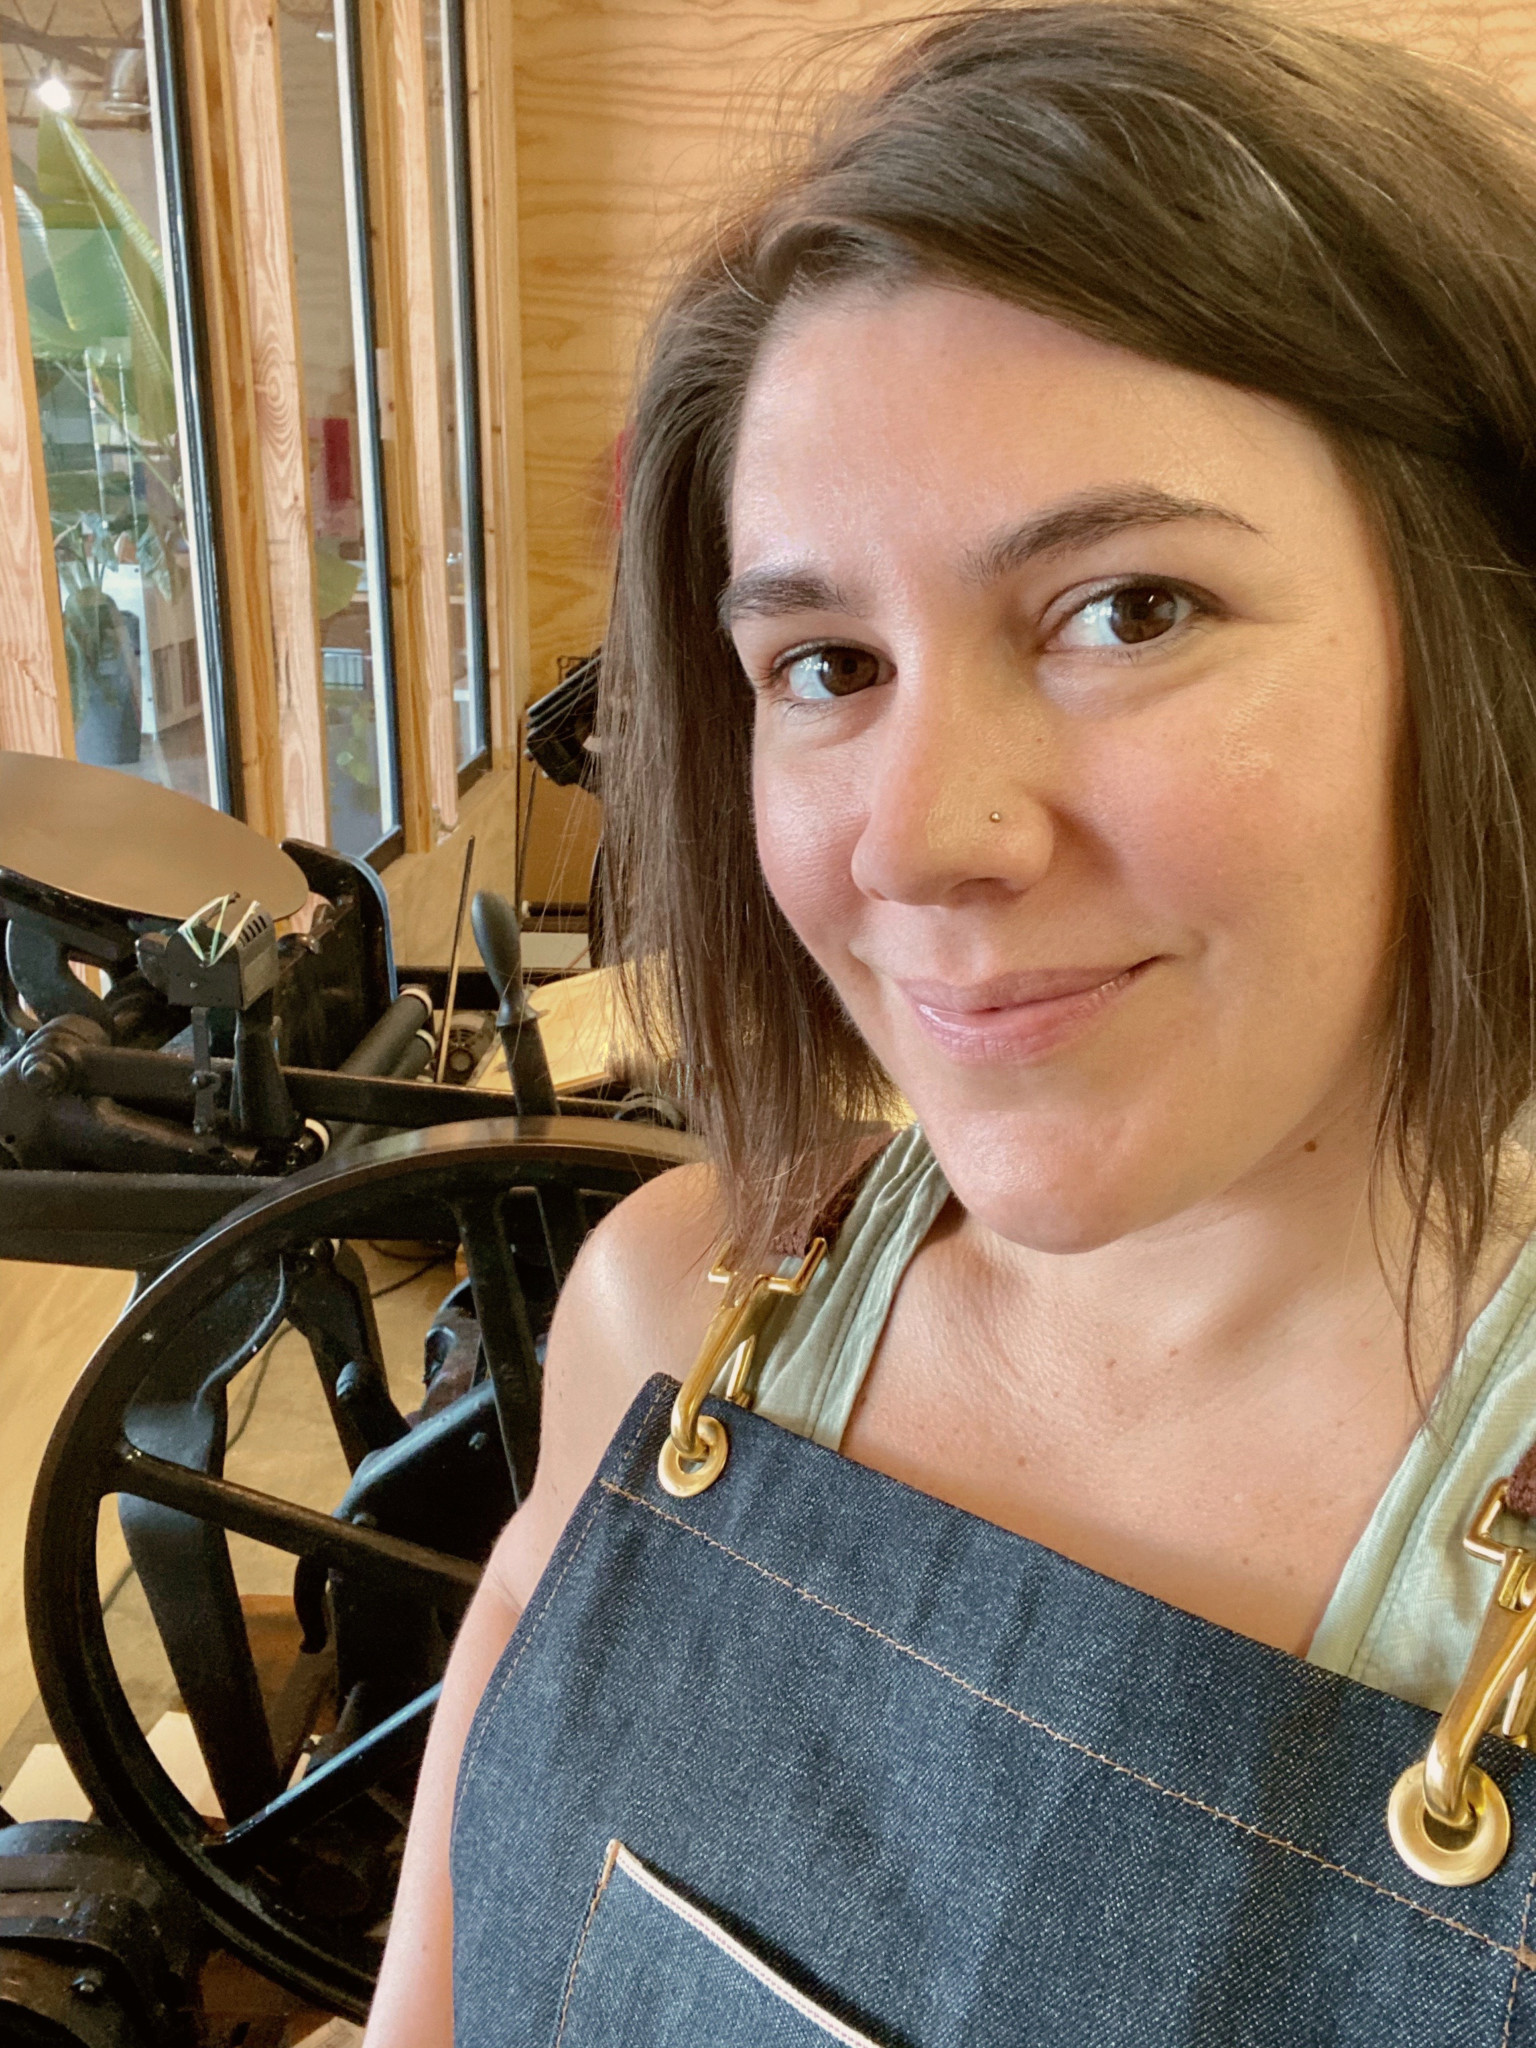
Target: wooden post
[(240, 512), (395, 85), (489, 32), (34, 676), (281, 430)]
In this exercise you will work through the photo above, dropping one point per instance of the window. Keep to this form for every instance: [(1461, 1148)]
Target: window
[(95, 160)]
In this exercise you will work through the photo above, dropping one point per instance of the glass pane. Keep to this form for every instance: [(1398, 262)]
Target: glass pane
[(334, 335), (87, 155), (451, 258)]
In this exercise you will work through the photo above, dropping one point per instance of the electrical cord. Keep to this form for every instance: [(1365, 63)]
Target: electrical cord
[(395, 1258), (395, 1286)]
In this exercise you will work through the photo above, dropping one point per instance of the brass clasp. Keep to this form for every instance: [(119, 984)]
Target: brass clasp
[(1447, 1818), (694, 1454)]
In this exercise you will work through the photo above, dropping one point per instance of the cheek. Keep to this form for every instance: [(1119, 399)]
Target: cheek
[(1272, 830), (808, 824)]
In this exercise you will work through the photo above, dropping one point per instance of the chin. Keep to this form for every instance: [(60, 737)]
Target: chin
[(1047, 1195), (1041, 1223)]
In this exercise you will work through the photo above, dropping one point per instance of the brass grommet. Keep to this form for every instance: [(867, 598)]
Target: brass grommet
[(682, 1478), (1444, 1856)]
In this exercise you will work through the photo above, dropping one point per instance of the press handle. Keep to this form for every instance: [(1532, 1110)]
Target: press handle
[(497, 934), (500, 940)]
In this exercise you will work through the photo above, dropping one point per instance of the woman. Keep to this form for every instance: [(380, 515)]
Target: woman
[(1088, 505)]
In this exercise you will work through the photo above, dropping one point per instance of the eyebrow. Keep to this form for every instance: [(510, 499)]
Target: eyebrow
[(1093, 516), (1075, 523)]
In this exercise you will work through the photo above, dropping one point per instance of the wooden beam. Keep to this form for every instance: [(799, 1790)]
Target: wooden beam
[(395, 85), (425, 324), (490, 29), (34, 677), (240, 511), (281, 431)]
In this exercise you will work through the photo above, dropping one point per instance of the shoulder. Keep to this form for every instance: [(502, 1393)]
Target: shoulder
[(637, 1303), (641, 1280)]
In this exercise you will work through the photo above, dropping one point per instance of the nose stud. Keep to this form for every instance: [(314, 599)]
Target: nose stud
[(996, 817)]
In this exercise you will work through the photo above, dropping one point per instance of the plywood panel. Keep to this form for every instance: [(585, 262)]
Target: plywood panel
[(34, 687), (278, 392), (634, 123)]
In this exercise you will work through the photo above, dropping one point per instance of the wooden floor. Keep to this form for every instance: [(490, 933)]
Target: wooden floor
[(51, 1320)]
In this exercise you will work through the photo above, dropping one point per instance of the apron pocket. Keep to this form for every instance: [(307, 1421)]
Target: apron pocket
[(652, 1971)]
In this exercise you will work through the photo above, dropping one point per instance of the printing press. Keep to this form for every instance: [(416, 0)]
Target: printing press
[(213, 1073)]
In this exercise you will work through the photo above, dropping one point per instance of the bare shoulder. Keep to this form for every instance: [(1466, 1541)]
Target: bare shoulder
[(642, 1277), (637, 1303)]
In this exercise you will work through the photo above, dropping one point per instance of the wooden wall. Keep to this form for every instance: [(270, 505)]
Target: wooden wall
[(34, 695), (634, 117)]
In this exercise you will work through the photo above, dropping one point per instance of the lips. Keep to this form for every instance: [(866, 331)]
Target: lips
[(1018, 1017)]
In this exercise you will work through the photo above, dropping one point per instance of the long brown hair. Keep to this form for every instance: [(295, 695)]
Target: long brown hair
[(1308, 215)]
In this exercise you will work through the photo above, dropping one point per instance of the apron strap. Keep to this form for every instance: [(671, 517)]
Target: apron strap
[(834, 1211), (1520, 1493)]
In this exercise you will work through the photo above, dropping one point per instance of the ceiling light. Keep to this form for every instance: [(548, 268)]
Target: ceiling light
[(55, 94)]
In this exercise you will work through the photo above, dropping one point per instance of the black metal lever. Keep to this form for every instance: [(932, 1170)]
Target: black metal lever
[(517, 1025)]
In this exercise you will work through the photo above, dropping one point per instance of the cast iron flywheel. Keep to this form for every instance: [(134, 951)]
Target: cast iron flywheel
[(315, 1780)]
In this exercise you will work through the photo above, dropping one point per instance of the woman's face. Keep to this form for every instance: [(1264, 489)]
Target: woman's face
[(1077, 717)]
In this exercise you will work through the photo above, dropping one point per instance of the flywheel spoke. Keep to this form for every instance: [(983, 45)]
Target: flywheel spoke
[(328, 1786), (303, 1532), (506, 1335)]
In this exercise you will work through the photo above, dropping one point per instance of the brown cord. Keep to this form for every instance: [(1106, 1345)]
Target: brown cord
[(1520, 1494), (833, 1213)]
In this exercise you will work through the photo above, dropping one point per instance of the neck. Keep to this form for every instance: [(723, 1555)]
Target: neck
[(1297, 1253)]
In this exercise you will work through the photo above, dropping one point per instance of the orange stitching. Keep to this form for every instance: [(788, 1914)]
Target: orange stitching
[(610, 1862), (1521, 1959)]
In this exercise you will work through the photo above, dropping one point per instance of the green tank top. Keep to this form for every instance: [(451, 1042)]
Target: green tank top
[(1409, 1601)]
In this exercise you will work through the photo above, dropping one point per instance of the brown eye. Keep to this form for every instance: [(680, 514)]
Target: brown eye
[(1127, 617), (824, 672), (1142, 614)]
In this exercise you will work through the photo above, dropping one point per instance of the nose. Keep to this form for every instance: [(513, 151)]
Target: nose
[(958, 799)]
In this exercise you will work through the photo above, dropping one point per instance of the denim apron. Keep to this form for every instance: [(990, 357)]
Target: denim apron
[(814, 1757)]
